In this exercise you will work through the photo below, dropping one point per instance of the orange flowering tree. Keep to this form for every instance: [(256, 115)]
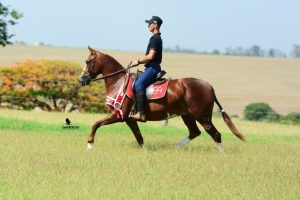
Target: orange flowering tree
[(50, 85)]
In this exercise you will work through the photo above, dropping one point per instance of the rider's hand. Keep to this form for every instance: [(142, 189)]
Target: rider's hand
[(134, 63)]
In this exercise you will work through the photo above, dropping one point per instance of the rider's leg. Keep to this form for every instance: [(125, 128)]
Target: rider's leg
[(140, 99), (147, 78)]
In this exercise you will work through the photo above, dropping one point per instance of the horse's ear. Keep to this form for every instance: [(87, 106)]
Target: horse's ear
[(93, 51)]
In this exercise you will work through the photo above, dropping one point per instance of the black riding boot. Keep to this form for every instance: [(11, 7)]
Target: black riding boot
[(140, 99)]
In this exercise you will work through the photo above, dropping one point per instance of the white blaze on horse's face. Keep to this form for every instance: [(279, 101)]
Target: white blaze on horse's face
[(84, 70), (89, 64)]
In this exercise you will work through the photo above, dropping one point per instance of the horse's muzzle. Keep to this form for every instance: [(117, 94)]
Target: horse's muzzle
[(85, 80)]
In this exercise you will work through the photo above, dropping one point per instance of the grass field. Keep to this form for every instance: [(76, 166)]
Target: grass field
[(40, 160), (238, 81)]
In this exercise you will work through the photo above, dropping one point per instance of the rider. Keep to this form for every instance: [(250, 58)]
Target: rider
[(152, 60)]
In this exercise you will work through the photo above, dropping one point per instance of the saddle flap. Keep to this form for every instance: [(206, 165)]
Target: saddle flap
[(156, 90)]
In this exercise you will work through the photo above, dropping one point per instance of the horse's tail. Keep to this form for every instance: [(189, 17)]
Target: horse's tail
[(228, 121)]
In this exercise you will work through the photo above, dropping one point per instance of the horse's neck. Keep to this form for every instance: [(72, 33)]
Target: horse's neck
[(112, 83)]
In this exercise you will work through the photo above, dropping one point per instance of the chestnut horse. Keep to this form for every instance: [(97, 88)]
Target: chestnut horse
[(192, 99)]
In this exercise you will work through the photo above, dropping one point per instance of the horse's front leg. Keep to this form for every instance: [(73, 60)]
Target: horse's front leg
[(136, 131), (110, 119)]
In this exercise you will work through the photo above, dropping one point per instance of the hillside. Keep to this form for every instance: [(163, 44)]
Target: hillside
[(237, 80)]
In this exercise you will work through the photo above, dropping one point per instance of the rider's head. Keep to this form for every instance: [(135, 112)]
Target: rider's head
[(154, 23)]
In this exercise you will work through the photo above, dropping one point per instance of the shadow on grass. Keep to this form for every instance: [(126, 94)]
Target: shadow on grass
[(201, 148), (157, 146)]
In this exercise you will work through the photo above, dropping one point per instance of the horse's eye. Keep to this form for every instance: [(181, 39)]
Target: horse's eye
[(87, 61)]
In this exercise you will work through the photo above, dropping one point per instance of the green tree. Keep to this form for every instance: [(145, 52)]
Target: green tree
[(7, 17), (293, 117), (260, 111)]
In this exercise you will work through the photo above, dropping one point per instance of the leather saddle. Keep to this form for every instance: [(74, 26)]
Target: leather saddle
[(156, 90), (159, 78)]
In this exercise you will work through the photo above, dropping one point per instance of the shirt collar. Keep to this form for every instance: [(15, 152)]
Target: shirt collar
[(156, 34)]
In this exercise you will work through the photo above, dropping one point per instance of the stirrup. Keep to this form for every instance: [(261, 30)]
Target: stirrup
[(142, 117)]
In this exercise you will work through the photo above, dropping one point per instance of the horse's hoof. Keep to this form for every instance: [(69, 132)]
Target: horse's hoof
[(183, 143), (143, 148), (90, 146), (220, 147), (178, 146)]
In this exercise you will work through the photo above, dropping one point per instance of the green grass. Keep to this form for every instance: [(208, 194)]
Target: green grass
[(122, 129), (40, 160)]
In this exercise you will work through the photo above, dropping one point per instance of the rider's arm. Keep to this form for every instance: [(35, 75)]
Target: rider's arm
[(154, 43), (145, 58), (148, 57)]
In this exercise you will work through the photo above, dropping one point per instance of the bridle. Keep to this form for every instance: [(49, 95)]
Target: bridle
[(91, 68)]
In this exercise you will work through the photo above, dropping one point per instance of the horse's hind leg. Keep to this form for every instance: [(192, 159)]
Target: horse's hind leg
[(213, 132), (194, 131)]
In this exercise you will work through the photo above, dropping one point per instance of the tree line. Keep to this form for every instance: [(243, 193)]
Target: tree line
[(254, 50)]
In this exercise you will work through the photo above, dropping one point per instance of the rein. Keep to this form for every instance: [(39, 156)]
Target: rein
[(112, 74)]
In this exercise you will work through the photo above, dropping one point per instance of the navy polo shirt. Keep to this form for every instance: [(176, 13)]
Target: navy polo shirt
[(155, 43)]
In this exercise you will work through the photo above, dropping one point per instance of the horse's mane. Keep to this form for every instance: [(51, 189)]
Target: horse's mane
[(112, 60)]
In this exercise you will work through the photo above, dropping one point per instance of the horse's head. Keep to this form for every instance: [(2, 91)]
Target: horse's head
[(92, 68)]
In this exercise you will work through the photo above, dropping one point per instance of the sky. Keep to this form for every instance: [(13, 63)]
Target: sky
[(202, 25)]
